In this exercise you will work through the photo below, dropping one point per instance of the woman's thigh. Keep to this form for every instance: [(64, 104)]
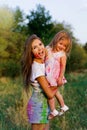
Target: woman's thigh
[(40, 126), (38, 109)]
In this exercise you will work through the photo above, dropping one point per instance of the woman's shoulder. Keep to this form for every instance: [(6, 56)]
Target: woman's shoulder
[(37, 64), (38, 69)]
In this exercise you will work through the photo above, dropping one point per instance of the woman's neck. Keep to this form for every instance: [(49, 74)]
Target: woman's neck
[(39, 60)]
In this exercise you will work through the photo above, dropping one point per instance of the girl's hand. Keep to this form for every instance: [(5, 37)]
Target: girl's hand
[(60, 83)]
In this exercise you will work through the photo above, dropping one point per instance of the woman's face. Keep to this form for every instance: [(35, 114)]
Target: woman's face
[(38, 49)]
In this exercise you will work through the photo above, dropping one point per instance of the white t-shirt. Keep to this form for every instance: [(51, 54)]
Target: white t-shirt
[(38, 69)]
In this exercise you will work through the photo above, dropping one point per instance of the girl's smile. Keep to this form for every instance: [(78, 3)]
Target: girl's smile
[(62, 45)]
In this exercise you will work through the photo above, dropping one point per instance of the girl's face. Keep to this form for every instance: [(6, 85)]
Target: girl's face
[(62, 44), (38, 49)]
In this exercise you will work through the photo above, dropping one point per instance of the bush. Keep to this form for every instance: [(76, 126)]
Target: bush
[(77, 59), (10, 69)]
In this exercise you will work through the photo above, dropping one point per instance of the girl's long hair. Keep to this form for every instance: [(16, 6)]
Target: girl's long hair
[(27, 60), (58, 37)]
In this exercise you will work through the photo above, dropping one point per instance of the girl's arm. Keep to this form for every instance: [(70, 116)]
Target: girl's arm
[(62, 69), (46, 88)]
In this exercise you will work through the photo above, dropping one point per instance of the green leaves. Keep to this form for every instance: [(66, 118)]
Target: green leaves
[(6, 18)]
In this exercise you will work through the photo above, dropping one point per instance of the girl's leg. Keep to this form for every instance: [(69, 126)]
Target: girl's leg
[(60, 99), (51, 103), (54, 112), (40, 126)]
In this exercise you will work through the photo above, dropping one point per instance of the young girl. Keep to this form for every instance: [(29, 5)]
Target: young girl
[(33, 69), (55, 63)]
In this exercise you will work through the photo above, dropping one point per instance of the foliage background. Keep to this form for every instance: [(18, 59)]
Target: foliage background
[(15, 27)]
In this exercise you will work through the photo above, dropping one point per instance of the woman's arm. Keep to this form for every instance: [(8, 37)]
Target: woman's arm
[(46, 88)]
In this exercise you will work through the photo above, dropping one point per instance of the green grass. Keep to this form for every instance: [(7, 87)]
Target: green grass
[(12, 110), (75, 95), (13, 102)]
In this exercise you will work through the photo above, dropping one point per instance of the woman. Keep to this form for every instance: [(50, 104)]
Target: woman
[(33, 69)]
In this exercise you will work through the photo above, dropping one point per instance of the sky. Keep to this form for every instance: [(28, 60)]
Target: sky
[(72, 12)]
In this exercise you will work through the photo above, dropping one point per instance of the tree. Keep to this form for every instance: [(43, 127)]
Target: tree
[(85, 47), (19, 21), (11, 43), (39, 22), (6, 22), (6, 18), (77, 58)]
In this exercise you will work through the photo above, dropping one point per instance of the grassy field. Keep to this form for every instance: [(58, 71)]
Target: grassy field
[(13, 102)]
